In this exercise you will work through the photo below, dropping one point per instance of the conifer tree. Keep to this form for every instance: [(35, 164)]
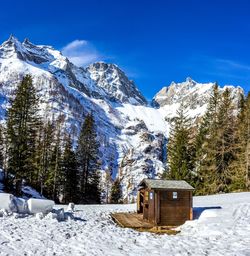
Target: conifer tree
[(205, 146), (116, 192), (180, 149), (225, 144), (1, 148), (87, 156), (22, 125), (54, 179), (44, 155), (93, 191), (240, 168), (70, 175), (108, 184)]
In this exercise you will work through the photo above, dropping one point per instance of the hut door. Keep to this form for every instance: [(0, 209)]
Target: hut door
[(174, 207)]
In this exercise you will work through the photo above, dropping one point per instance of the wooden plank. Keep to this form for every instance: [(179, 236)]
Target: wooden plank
[(130, 220), (135, 221)]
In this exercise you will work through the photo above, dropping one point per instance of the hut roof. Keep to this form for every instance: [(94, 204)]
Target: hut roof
[(166, 184)]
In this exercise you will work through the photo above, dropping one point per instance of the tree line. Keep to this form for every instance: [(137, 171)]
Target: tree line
[(213, 156), (38, 152)]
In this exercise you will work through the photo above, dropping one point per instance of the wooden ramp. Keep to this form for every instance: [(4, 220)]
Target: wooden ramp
[(130, 220), (135, 221)]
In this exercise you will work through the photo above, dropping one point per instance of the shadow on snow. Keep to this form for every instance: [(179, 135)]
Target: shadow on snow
[(197, 211)]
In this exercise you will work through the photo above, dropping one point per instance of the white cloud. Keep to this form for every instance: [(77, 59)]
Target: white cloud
[(81, 52), (233, 64)]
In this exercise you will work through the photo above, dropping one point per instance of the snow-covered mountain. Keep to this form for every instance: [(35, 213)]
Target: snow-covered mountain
[(115, 83), (132, 133)]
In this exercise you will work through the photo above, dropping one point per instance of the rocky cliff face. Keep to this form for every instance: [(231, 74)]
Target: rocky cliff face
[(191, 93), (115, 83), (132, 134)]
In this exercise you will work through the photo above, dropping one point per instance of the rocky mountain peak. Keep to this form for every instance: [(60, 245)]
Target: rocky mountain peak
[(10, 48), (115, 83), (192, 93), (26, 51)]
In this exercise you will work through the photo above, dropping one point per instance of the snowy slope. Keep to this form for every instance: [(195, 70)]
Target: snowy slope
[(132, 134), (221, 227)]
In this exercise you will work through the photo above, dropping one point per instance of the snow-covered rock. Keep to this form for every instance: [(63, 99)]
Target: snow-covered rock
[(115, 83), (40, 205), (7, 202), (39, 215), (60, 214), (71, 207), (21, 205), (193, 94)]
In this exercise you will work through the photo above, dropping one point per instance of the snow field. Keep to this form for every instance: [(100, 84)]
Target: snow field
[(221, 227)]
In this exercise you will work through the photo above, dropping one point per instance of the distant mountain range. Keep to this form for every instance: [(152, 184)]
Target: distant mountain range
[(132, 132)]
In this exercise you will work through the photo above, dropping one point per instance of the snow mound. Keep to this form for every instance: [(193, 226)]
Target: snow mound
[(40, 205), (7, 202)]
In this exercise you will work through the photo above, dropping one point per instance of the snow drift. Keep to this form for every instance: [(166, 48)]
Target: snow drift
[(11, 204)]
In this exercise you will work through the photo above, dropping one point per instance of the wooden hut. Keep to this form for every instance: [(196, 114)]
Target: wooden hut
[(165, 202)]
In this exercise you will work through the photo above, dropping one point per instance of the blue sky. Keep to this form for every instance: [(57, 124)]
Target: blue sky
[(154, 42)]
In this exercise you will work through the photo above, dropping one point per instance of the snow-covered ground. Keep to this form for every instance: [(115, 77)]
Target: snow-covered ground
[(221, 227)]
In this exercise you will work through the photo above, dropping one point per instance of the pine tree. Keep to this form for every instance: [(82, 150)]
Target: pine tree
[(225, 144), (70, 175), (22, 124), (93, 191), (54, 178), (87, 156), (205, 146), (240, 168), (1, 148), (116, 192), (180, 149), (44, 155), (108, 184)]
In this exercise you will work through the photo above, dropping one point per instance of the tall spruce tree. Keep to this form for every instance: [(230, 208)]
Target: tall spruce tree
[(93, 191), (45, 142), (1, 148), (240, 168), (205, 146), (87, 158), (22, 125), (116, 192), (54, 178), (108, 184), (180, 148), (70, 175), (226, 143)]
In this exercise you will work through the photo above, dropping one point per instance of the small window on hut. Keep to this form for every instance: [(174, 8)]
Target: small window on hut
[(151, 195), (175, 195)]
